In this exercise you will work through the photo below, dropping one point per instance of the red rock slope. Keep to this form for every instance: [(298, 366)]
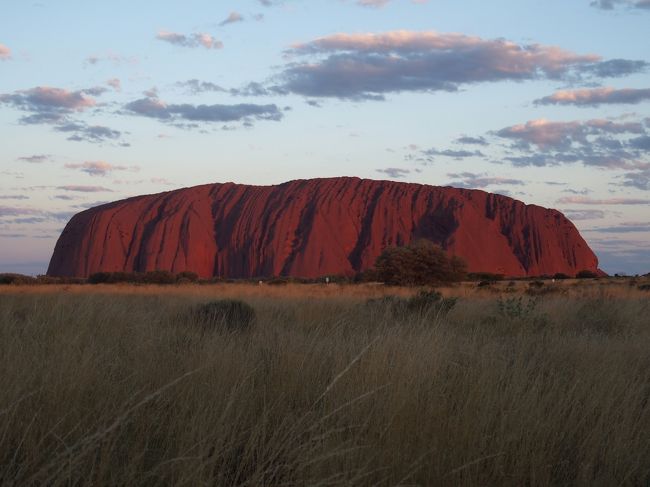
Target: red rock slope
[(314, 228)]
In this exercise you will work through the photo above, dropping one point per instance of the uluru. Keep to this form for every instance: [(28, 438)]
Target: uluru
[(315, 227)]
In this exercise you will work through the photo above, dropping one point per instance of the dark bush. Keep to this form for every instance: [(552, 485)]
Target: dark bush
[(644, 287), (536, 284), (159, 277), (485, 284), (187, 276), (418, 264), (225, 314), (485, 276), (586, 274), (560, 276), (16, 279)]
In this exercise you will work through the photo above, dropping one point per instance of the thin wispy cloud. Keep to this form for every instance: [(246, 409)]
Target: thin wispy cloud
[(36, 158), (110, 57), (394, 172), (84, 189), (99, 168), (14, 197), (611, 4), (580, 215), (583, 200), (383, 3), (196, 86), (472, 180), (192, 40)]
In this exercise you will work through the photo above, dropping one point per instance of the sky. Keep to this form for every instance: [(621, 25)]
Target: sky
[(546, 101)]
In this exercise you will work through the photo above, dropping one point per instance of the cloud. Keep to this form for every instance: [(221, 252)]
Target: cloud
[(196, 86), (467, 140), (372, 3), (98, 168), (611, 4), (383, 3), (110, 57), (547, 134), (629, 227), (5, 53), (88, 133), (46, 99), (84, 189), (155, 108), (36, 158), (233, 18), (472, 180), (368, 66), (638, 180), (193, 40), (583, 200), (597, 142), (35, 215), (14, 197), (455, 154), (578, 215), (595, 97), (115, 83), (394, 172)]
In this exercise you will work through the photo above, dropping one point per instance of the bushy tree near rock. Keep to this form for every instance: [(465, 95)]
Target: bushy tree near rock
[(420, 263)]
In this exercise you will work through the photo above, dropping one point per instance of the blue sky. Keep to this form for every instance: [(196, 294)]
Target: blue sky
[(545, 101)]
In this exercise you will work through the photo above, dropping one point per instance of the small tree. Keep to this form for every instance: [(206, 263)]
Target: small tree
[(420, 263), (586, 274)]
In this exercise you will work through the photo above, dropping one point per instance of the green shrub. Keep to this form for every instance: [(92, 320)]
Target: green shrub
[(225, 314), (419, 264)]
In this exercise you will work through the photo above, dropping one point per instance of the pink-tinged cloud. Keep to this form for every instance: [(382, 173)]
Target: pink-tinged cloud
[(534, 56), (49, 98), (546, 134), (84, 189), (372, 3), (115, 83), (111, 57), (596, 96), (98, 168), (383, 3), (583, 200), (233, 18), (368, 65), (5, 53), (192, 40)]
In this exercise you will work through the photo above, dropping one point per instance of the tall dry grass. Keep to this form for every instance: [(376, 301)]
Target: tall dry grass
[(116, 385)]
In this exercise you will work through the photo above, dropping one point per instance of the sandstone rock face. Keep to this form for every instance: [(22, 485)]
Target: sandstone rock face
[(312, 228)]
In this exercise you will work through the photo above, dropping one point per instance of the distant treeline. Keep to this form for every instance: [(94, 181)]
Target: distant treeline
[(421, 263)]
